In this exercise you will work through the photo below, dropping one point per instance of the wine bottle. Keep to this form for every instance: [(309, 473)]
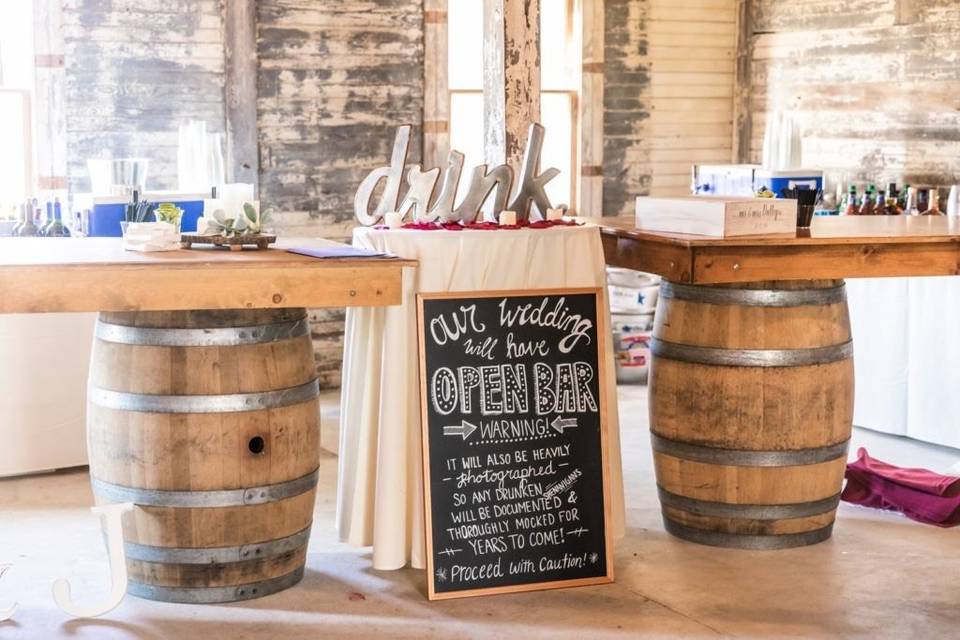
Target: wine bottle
[(47, 219), (29, 226), (20, 221), (57, 229)]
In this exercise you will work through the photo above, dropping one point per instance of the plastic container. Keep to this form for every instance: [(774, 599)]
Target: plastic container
[(630, 278), (106, 212), (633, 300), (631, 348), (632, 292)]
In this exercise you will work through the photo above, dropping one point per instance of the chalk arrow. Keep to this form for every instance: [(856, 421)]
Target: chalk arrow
[(464, 429), (559, 424)]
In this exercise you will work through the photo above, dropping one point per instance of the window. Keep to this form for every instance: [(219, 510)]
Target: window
[(16, 90), (559, 78)]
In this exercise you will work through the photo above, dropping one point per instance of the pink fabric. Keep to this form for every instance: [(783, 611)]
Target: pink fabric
[(485, 226), (919, 494)]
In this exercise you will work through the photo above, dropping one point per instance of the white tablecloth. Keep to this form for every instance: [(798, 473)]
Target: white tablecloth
[(906, 344), (380, 489)]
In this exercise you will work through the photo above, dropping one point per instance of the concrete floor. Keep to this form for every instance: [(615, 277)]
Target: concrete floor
[(881, 576)]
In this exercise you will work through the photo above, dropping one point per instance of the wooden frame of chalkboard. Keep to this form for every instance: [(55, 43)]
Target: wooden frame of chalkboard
[(602, 562)]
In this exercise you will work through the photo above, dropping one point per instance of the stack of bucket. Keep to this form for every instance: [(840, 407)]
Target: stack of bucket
[(633, 300)]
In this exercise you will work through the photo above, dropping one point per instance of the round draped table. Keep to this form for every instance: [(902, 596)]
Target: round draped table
[(380, 488)]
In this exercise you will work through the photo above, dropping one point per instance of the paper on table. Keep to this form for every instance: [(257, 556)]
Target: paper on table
[(339, 252)]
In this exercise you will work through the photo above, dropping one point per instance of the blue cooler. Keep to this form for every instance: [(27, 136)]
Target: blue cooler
[(107, 212), (743, 180), (724, 179), (791, 179)]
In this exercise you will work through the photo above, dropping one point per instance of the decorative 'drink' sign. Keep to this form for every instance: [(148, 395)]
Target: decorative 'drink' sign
[(421, 186), (513, 438)]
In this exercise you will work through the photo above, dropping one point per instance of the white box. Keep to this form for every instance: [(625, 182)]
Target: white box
[(718, 216)]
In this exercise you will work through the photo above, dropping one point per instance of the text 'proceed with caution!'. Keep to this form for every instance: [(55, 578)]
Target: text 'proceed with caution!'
[(512, 405)]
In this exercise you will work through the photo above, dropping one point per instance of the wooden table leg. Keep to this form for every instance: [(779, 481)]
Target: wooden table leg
[(751, 409)]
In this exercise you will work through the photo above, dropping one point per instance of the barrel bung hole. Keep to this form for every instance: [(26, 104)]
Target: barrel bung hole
[(256, 445)]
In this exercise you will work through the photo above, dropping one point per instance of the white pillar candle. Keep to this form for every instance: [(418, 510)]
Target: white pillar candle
[(508, 218), (232, 197), (554, 214), (393, 219)]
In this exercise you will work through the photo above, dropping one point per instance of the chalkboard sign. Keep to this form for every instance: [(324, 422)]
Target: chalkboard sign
[(512, 403)]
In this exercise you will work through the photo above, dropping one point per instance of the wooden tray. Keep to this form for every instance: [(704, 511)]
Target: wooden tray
[(235, 243)]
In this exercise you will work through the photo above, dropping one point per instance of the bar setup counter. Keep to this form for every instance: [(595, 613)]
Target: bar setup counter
[(203, 397), (752, 385)]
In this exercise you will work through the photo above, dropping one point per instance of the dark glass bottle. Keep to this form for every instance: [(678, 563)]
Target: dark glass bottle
[(29, 226), (56, 229), (21, 220), (880, 207), (852, 209), (866, 206), (893, 193)]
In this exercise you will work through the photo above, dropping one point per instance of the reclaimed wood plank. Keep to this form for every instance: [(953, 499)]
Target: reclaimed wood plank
[(96, 274), (240, 89)]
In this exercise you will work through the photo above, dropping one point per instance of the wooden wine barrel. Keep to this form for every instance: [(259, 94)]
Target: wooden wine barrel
[(751, 408), (208, 422)]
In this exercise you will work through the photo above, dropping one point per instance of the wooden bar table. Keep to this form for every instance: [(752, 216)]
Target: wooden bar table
[(751, 384), (203, 398)]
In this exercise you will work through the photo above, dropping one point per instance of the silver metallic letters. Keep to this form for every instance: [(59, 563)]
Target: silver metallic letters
[(419, 197)]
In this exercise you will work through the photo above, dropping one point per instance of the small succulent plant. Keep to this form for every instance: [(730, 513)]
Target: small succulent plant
[(168, 212), (250, 223)]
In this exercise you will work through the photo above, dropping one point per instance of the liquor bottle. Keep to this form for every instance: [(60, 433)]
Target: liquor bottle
[(893, 205), (933, 207), (880, 208), (851, 209), (923, 201), (911, 202), (892, 193), (866, 206)]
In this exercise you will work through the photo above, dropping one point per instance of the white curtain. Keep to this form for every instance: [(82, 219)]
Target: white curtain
[(906, 352)]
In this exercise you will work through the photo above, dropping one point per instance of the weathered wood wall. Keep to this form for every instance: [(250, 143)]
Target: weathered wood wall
[(626, 165), (335, 79), (134, 70), (874, 85), (668, 94)]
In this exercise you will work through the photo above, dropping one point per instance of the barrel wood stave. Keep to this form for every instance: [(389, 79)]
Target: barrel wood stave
[(751, 409), (208, 422)]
